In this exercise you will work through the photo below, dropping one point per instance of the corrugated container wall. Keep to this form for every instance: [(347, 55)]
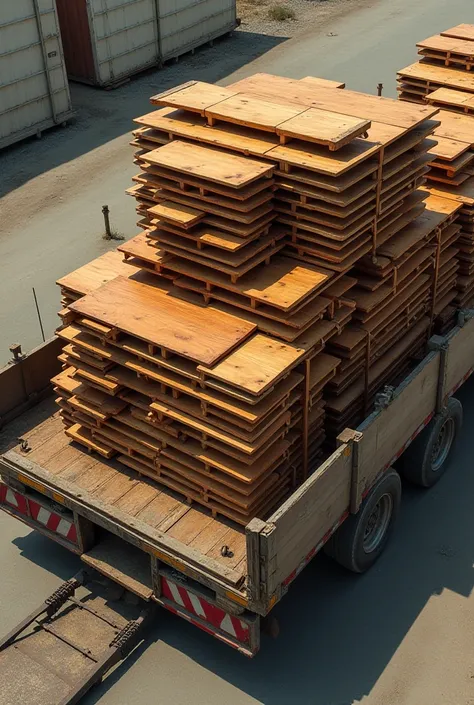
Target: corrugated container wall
[(105, 41), (34, 91)]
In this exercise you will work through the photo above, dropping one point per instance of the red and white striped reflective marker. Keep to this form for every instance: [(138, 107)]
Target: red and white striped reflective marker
[(235, 627), (52, 521), (60, 524)]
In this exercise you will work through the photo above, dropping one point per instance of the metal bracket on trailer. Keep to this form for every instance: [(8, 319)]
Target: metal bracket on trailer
[(353, 438)]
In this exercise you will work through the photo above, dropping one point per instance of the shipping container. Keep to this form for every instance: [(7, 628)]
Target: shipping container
[(34, 89), (106, 41)]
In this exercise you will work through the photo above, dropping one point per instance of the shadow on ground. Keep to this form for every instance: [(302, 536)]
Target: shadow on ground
[(102, 116), (333, 622)]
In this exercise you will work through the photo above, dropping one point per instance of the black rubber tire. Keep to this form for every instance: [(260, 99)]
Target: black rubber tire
[(417, 462), (346, 546)]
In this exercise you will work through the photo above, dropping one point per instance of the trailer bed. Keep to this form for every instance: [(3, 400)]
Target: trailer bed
[(119, 488)]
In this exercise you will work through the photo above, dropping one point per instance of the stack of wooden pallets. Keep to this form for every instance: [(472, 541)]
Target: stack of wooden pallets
[(397, 298), (443, 79), (286, 270), (443, 75)]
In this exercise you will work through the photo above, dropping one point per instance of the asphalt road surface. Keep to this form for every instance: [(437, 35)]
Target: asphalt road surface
[(403, 634)]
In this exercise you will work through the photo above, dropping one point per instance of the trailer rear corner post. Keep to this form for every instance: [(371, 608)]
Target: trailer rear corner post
[(352, 439)]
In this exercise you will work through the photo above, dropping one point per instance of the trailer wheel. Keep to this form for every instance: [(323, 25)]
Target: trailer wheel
[(426, 459), (360, 540)]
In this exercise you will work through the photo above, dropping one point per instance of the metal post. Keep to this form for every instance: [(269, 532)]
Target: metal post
[(106, 212), (39, 315), (379, 89)]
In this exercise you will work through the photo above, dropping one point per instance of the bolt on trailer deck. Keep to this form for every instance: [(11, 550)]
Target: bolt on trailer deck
[(219, 579)]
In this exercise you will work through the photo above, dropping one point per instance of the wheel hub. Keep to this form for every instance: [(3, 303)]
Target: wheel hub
[(442, 445), (377, 523)]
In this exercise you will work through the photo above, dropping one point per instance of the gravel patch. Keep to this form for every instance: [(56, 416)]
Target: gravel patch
[(308, 14)]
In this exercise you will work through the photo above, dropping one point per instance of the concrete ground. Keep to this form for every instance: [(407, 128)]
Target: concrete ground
[(400, 635)]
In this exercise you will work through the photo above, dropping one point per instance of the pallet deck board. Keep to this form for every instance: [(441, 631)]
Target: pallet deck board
[(256, 365), (194, 95), (211, 164), (131, 306)]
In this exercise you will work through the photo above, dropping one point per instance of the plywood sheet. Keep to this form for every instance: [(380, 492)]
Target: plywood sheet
[(455, 127), (141, 247), (207, 163), (323, 127), (448, 96), (280, 83), (179, 214), (284, 283), (448, 149), (256, 365), (439, 75), (132, 307), (364, 106), (195, 127), (447, 44), (194, 95), (461, 31), (96, 273), (317, 158), (251, 112)]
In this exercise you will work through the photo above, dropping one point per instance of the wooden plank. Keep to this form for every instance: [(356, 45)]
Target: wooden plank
[(438, 76), (448, 96), (194, 95), (179, 214), (324, 127), (125, 564), (131, 306), (251, 112), (233, 266), (257, 364), (193, 127), (448, 149), (211, 164), (280, 83), (317, 158), (141, 247), (448, 44), (455, 127), (283, 284), (83, 436), (364, 106), (95, 273), (220, 207), (153, 177), (461, 31)]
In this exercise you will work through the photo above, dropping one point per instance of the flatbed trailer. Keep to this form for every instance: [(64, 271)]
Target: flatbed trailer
[(223, 579)]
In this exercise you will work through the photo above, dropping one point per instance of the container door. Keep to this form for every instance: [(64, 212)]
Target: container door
[(76, 36)]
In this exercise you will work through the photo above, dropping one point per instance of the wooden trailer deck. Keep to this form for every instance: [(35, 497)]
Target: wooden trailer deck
[(139, 501)]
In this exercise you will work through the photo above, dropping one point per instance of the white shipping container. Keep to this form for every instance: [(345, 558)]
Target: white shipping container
[(106, 41), (34, 89)]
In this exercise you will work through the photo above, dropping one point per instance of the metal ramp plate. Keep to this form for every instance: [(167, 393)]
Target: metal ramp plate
[(69, 643)]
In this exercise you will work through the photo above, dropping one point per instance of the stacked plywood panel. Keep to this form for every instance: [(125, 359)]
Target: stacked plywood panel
[(285, 259), (397, 298), (443, 79), (335, 202), (443, 75)]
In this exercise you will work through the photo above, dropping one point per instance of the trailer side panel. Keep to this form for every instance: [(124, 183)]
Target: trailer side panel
[(302, 522), (460, 359), (387, 432)]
